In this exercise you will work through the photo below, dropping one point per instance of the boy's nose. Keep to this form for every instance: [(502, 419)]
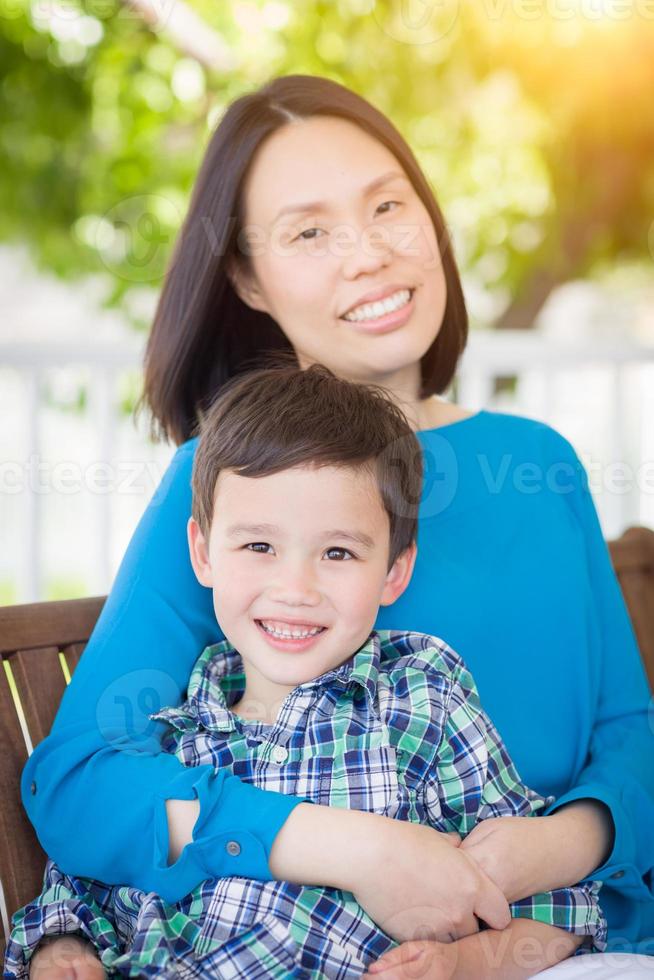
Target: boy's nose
[(295, 587)]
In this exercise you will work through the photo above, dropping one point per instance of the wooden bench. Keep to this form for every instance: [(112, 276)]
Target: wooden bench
[(41, 644)]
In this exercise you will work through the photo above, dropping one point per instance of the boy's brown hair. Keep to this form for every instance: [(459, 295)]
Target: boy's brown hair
[(278, 417)]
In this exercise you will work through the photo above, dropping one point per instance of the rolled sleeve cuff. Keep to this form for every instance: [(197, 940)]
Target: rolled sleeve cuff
[(233, 834), (619, 870)]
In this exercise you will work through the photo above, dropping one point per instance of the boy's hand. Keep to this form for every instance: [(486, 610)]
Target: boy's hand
[(421, 959), (65, 958), (521, 951)]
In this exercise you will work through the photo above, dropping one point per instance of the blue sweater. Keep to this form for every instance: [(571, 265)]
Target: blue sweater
[(512, 572)]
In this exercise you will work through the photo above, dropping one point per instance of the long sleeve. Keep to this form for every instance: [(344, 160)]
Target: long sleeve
[(619, 768), (474, 778), (95, 787), (66, 906)]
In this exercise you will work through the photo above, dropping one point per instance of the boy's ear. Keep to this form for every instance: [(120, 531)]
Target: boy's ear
[(199, 553), (245, 286), (399, 575)]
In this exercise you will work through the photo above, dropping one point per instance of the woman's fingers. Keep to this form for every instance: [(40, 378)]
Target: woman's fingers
[(492, 906)]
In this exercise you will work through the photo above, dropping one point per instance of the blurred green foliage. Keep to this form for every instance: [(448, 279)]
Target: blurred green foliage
[(537, 132)]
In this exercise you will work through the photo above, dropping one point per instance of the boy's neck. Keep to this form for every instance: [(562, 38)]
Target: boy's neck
[(262, 698)]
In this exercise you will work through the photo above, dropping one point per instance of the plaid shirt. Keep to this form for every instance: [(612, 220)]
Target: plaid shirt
[(398, 730)]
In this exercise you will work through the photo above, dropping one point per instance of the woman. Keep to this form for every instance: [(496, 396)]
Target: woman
[(311, 228)]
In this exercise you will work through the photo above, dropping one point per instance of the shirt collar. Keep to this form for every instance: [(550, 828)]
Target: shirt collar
[(218, 673)]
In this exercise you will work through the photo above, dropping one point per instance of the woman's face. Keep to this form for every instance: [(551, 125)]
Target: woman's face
[(334, 228)]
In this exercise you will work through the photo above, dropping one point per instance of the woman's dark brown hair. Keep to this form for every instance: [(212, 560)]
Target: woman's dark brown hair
[(203, 334), (257, 426)]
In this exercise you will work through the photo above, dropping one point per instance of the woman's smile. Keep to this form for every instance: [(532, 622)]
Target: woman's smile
[(384, 315)]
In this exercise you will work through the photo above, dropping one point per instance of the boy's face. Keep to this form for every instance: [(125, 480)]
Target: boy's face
[(298, 572)]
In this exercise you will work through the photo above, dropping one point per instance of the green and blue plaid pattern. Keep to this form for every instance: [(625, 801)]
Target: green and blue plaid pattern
[(398, 730)]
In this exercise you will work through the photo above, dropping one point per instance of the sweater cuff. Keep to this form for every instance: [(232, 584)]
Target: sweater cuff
[(619, 870), (233, 834)]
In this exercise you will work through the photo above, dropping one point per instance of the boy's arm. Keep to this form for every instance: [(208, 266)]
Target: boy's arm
[(516, 953), (474, 778)]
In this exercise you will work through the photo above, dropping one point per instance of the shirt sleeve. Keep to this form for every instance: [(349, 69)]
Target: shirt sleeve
[(618, 770), (66, 907), (95, 787), (474, 778)]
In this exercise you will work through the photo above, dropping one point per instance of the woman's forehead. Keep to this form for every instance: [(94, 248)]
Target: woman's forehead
[(321, 160)]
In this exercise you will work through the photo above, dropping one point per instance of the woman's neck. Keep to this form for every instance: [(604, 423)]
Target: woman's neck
[(434, 412)]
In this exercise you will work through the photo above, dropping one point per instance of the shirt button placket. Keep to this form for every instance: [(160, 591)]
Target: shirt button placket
[(279, 754)]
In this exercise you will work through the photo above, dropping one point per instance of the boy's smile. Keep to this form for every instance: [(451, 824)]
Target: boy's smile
[(302, 552)]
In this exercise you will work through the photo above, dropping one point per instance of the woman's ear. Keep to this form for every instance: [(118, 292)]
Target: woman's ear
[(199, 553), (245, 286), (399, 576)]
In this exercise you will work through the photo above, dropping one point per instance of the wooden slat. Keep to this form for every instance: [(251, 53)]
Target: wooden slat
[(634, 551), (40, 624), (22, 860), (41, 685), (72, 653), (633, 560)]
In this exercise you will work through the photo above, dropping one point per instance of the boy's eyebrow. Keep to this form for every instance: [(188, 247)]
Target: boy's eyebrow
[(357, 537), (323, 206)]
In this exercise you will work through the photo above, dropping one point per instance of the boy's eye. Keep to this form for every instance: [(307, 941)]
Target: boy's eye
[(257, 545), (342, 551)]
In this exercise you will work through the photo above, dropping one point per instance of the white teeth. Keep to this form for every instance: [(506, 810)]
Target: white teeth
[(295, 634), (372, 311)]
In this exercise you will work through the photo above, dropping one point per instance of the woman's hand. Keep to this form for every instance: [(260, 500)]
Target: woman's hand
[(65, 958), (412, 880), (528, 855), (423, 885), (517, 853)]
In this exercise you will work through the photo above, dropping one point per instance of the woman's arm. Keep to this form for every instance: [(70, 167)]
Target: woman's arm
[(101, 792), (95, 788), (598, 829), (555, 851), (618, 770)]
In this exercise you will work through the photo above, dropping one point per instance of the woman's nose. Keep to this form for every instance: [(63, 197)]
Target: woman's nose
[(368, 251)]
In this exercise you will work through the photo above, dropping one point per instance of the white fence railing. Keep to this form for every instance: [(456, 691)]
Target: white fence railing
[(73, 485)]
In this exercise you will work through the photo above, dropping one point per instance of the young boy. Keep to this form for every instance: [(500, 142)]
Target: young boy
[(305, 503)]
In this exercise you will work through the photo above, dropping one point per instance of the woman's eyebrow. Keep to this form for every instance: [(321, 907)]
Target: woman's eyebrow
[(303, 208)]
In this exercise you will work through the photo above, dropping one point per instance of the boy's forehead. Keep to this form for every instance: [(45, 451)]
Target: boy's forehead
[(310, 495)]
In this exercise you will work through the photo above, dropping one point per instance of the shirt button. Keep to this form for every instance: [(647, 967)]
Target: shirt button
[(618, 874), (33, 788), (233, 848), (280, 754)]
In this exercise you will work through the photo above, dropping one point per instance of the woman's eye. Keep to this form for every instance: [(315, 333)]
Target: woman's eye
[(384, 203), (258, 544), (306, 232), (342, 551)]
